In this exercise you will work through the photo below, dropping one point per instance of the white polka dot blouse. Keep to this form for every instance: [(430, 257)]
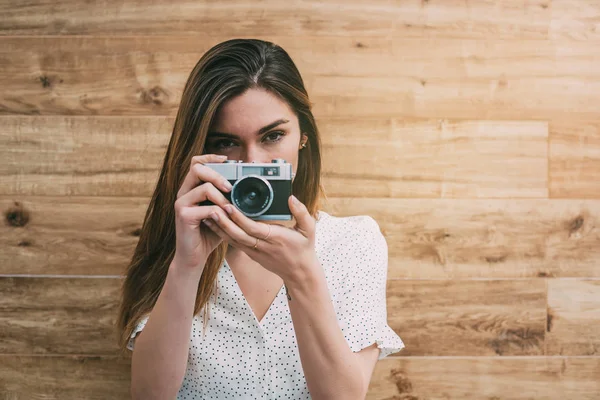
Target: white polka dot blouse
[(243, 358)]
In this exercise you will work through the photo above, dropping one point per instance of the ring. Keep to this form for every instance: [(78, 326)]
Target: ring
[(256, 245), (268, 234)]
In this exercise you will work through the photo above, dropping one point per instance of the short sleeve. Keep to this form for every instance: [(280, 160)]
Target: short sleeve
[(363, 311), (135, 332)]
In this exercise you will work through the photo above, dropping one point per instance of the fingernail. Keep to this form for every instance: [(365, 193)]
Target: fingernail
[(214, 216), (229, 209), (295, 200), (227, 185), (208, 222)]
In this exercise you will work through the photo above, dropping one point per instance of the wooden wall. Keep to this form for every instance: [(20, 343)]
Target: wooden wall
[(480, 125)]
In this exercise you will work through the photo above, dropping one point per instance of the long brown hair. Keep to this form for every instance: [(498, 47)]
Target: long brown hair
[(225, 71)]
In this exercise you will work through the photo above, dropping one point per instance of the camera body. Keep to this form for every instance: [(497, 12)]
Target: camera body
[(260, 190)]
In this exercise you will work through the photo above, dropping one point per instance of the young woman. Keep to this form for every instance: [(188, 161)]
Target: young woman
[(221, 306)]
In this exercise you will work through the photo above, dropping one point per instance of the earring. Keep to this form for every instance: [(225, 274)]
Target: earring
[(303, 145)]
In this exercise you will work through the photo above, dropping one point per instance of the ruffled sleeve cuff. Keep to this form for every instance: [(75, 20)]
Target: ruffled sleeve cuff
[(135, 332), (387, 341)]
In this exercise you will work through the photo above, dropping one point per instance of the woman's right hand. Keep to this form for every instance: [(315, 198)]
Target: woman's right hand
[(194, 240)]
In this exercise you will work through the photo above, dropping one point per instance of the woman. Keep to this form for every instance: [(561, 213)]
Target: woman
[(217, 305)]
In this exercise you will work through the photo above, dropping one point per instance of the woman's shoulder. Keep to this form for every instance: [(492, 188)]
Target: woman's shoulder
[(352, 227), (348, 243)]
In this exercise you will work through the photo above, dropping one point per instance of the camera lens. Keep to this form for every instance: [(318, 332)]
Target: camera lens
[(252, 195)]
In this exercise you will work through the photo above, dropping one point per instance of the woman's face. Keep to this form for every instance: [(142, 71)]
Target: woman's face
[(255, 126)]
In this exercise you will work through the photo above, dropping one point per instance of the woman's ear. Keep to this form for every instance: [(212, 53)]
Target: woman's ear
[(303, 141)]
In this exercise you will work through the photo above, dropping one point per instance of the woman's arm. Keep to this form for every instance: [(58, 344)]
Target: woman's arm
[(160, 353), (331, 369)]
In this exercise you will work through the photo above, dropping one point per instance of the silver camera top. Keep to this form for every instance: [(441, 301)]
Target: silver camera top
[(274, 161), (277, 169)]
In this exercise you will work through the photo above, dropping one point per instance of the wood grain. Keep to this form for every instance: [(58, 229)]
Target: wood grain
[(368, 56), (472, 238), (552, 378), (540, 98), (450, 18), (384, 158), (574, 159), (58, 315), (427, 238), (439, 158), (576, 20), (82, 156), (573, 317), (475, 317), (64, 377), (514, 378), (363, 77), (69, 235), (478, 317)]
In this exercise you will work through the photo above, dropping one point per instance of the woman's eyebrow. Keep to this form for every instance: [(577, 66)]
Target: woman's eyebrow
[(262, 130)]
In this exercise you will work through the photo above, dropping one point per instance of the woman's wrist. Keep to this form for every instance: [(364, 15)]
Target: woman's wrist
[(184, 271), (306, 276)]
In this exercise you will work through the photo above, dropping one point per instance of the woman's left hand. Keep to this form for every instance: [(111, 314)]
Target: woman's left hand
[(287, 252)]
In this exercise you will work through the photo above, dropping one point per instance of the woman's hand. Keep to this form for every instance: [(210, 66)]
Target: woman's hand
[(287, 252), (194, 242)]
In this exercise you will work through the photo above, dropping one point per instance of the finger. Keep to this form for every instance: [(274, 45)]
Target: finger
[(206, 191), (305, 223), (248, 225), (229, 227), (200, 173), (216, 230), (194, 215)]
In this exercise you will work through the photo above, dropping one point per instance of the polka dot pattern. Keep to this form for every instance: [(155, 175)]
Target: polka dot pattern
[(243, 358)]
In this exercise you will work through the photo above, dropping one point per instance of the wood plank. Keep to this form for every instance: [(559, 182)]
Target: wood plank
[(552, 378), (540, 98), (58, 315), (369, 56), (435, 158), (514, 378), (82, 156), (366, 77), (478, 317), (69, 235), (481, 19), (484, 238), (573, 317), (405, 158), (574, 159), (575, 19), (468, 317), (64, 377), (427, 238)]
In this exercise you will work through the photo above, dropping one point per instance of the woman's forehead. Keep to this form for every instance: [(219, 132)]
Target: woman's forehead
[(251, 111)]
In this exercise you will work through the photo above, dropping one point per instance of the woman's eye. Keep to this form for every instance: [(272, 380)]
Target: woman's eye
[(274, 136), (222, 144)]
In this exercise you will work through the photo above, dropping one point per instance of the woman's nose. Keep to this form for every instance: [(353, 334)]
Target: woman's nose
[(254, 154)]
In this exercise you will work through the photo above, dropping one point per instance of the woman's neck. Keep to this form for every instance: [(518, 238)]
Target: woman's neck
[(236, 256)]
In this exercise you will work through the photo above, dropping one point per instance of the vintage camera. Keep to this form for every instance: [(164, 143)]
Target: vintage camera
[(260, 190)]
